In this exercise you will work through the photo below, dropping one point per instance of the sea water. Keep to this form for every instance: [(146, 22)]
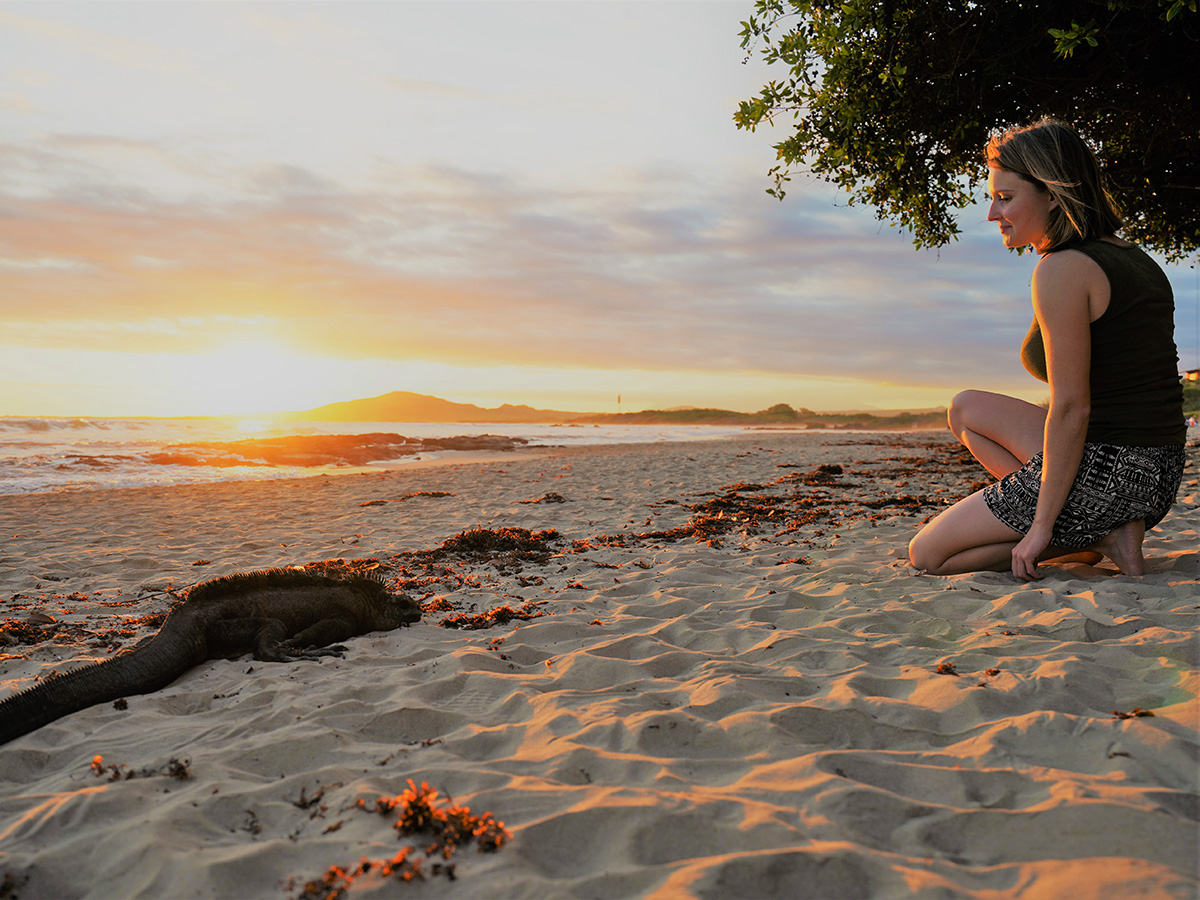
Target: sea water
[(42, 454)]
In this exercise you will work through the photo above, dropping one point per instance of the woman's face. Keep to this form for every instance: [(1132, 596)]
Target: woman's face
[(1022, 211)]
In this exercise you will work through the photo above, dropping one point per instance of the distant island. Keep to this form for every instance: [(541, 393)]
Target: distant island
[(406, 406)]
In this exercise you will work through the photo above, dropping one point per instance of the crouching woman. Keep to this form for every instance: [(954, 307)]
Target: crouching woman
[(1103, 463)]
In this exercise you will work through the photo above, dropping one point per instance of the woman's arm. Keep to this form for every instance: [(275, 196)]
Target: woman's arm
[(1062, 285)]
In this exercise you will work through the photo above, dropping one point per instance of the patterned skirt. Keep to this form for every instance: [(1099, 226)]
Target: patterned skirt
[(1115, 485)]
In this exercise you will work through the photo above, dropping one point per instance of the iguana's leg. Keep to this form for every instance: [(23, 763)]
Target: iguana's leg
[(324, 634), (267, 639), (234, 637)]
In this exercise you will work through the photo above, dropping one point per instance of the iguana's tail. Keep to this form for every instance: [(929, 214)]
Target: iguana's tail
[(152, 664)]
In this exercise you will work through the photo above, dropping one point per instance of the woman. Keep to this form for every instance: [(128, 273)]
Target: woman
[(1103, 463)]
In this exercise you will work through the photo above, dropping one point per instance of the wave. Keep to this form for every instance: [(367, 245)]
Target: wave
[(69, 467), (95, 462), (42, 425), (46, 453), (307, 450)]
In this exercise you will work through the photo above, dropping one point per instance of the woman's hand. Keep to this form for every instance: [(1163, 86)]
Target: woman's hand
[(1025, 554)]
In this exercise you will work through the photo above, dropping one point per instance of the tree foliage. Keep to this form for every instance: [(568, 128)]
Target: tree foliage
[(894, 100)]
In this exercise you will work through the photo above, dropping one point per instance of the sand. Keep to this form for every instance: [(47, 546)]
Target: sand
[(737, 687)]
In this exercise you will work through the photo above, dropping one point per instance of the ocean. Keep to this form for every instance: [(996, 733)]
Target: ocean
[(39, 455)]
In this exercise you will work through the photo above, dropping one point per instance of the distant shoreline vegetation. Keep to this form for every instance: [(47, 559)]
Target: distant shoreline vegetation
[(1191, 399), (779, 415), (406, 406)]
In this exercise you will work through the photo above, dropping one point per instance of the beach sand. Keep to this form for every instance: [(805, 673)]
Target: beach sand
[(732, 685)]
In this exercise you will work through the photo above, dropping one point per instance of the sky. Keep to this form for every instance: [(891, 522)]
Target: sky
[(211, 208)]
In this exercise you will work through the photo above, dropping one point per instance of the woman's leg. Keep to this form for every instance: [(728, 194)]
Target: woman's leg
[(964, 538), (1002, 432), (968, 538)]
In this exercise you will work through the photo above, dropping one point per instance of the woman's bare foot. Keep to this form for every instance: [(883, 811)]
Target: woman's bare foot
[(1087, 557), (1124, 547)]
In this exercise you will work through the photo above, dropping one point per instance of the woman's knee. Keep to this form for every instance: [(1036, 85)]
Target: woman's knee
[(924, 553), (962, 407)]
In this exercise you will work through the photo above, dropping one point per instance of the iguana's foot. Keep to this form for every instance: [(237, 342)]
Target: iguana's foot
[(283, 653), (317, 652)]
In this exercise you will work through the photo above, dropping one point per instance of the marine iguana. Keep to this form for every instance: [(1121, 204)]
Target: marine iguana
[(276, 614)]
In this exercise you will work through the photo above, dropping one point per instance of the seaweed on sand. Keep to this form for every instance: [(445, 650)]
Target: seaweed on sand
[(420, 812), (486, 542), (506, 549), (501, 615)]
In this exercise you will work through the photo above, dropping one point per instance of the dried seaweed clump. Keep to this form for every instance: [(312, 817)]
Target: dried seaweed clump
[(501, 615), (451, 826), (175, 768), (420, 813), (437, 605), (483, 542), (367, 567), (1135, 713), (729, 512), (825, 475), (14, 631)]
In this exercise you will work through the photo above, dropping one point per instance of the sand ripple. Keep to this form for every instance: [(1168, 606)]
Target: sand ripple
[(765, 709)]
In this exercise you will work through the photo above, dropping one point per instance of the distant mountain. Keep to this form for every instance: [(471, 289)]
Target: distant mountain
[(405, 406)]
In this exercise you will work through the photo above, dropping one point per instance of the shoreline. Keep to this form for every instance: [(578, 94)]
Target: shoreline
[(734, 685), (129, 456), (136, 459)]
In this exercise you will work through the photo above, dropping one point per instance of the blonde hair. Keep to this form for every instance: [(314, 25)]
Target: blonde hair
[(1054, 158)]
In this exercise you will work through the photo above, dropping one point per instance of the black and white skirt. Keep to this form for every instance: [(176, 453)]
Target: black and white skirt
[(1115, 485)]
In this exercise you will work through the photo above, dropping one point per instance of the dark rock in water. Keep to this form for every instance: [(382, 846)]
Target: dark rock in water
[(476, 442)]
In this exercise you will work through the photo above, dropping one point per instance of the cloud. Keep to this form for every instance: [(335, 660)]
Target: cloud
[(547, 187), (435, 90), (445, 265), (305, 30), (16, 101), (95, 42), (43, 264)]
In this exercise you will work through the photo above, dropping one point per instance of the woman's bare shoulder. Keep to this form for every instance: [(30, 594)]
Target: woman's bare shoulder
[(1068, 263), (1068, 275)]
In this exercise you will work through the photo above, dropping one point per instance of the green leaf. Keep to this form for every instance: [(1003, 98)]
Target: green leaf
[(908, 141)]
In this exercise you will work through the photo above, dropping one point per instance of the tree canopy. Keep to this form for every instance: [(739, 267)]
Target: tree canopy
[(894, 100)]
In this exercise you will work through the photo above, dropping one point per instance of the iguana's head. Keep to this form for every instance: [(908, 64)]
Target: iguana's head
[(377, 607), (399, 609)]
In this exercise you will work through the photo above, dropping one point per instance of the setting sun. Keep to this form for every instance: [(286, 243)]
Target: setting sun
[(248, 377)]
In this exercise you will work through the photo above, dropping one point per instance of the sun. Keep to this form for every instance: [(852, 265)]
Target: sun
[(248, 378)]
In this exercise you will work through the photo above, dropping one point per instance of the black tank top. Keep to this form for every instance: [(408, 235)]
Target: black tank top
[(1137, 399)]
